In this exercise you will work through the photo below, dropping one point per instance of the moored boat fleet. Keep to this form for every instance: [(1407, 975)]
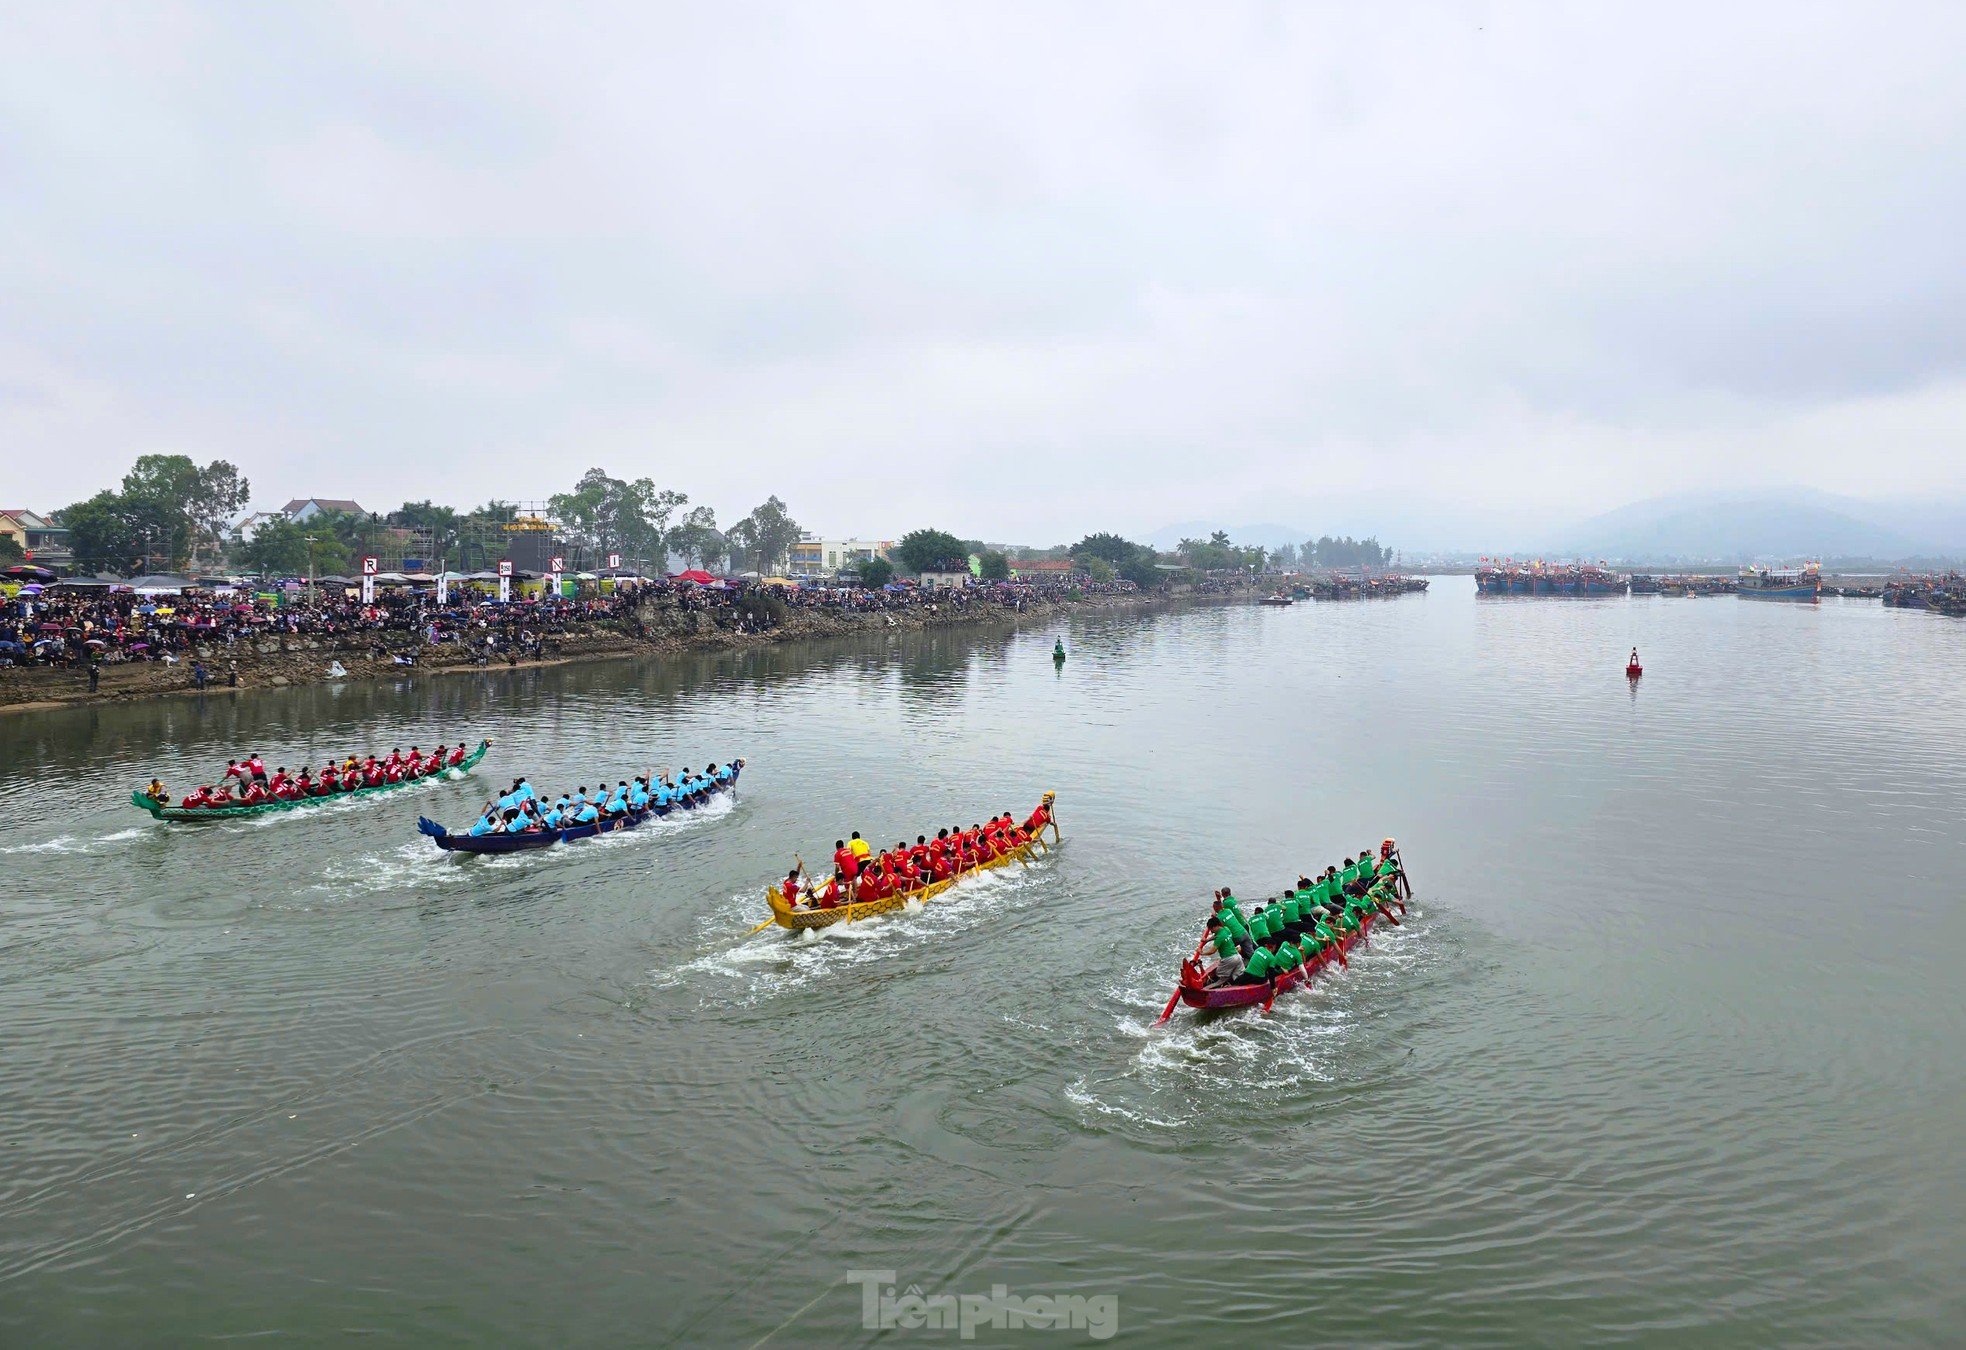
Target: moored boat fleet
[(1941, 594), (1509, 577)]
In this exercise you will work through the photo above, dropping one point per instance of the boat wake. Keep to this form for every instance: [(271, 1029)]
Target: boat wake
[(70, 843), (778, 961), (1184, 1070), (414, 863)]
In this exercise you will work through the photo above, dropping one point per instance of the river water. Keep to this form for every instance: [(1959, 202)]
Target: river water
[(1671, 1040)]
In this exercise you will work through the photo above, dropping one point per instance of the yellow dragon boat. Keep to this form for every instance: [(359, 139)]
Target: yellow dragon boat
[(801, 917)]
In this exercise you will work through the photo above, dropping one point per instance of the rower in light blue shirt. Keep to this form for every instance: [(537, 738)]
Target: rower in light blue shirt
[(723, 773), (618, 799), (638, 796)]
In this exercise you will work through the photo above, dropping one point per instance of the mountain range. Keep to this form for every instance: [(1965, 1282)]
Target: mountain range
[(1774, 524)]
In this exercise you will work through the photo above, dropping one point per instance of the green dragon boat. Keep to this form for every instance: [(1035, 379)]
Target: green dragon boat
[(198, 814)]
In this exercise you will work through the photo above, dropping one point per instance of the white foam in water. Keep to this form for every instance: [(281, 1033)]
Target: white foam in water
[(1190, 1057), (69, 843), (61, 844), (777, 961)]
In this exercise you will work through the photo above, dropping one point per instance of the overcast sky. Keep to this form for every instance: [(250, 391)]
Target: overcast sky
[(1017, 271)]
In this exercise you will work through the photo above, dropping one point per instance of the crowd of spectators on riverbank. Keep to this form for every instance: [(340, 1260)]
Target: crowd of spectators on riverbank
[(76, 628)]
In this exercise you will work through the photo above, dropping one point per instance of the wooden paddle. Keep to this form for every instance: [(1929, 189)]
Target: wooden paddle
[(1175, 997)]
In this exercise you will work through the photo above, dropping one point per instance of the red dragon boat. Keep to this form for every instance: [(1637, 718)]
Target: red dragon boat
[(1197, 993)]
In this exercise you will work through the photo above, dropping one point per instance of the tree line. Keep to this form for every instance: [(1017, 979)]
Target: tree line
[(170, 513)]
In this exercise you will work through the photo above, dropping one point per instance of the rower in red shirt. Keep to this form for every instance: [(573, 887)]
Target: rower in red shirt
[(303, 785), (393, 770), (845, 861), (918, 855), (457, 756), (789, 889), (828, 895), (1040, 817), (255, 767), (874, 886), (372, 772)]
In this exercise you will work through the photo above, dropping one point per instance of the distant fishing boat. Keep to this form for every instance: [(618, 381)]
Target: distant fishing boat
[(1763, 583)]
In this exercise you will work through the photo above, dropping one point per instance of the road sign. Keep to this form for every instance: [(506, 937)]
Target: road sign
[(557, 565), (369, 567), (505, 567), (614, 562)]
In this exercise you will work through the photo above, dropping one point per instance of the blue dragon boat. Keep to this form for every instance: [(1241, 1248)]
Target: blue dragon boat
[(527, 840)]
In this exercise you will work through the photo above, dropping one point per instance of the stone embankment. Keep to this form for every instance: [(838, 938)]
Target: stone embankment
[(283, 660)]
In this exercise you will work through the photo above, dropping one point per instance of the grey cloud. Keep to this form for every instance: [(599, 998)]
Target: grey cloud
[(1171, 260)]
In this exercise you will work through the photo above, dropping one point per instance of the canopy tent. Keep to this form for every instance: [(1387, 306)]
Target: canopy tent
[(27, 572), (87, 584), (697, 575), (158, 584)]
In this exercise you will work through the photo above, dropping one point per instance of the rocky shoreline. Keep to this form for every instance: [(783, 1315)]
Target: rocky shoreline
[(281, 662)]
